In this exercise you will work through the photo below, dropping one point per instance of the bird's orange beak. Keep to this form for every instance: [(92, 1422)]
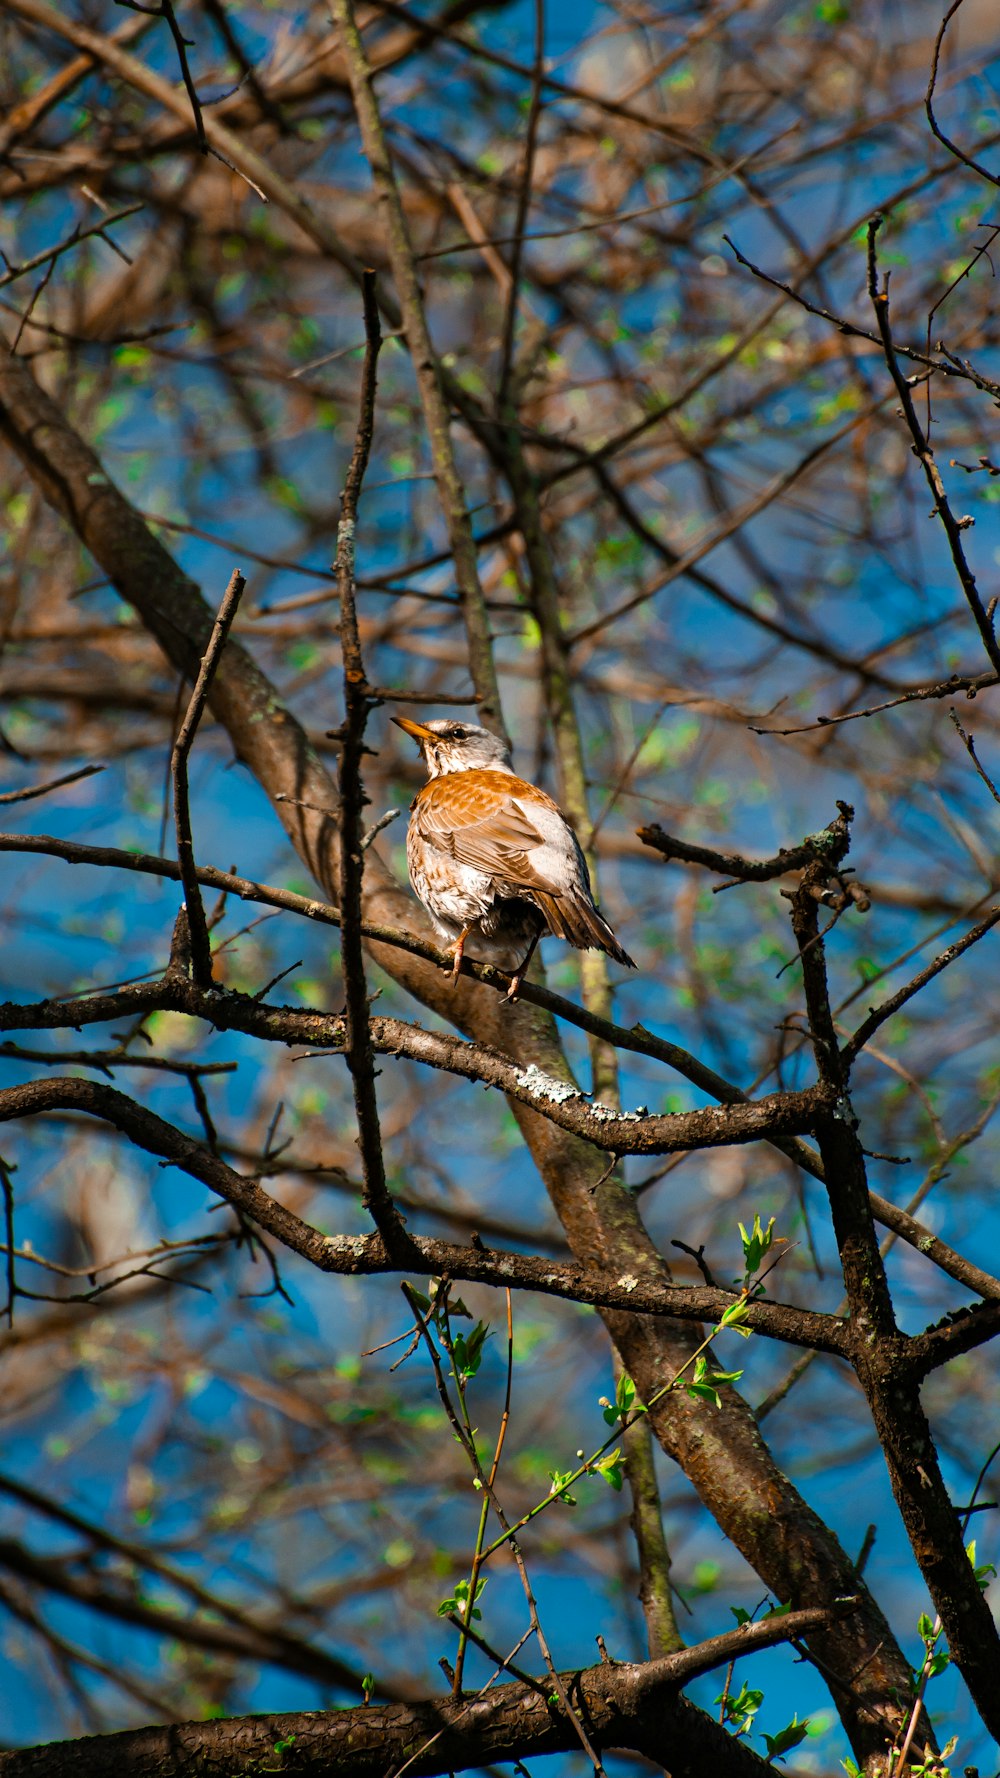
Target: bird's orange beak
[(416, 729)]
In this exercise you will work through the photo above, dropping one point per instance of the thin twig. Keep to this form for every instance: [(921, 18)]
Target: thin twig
[(33, 790), (465, 1623), (947, 367), (36, 293), (879, 1014), (465, 1433), (14, 272), (165, 10), (378, 827), (970, 747), (924, 454), (201, 950), (751, 870), (951, 146), (8, 1210), (970, 683)]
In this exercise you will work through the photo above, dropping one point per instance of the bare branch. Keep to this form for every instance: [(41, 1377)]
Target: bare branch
[(922, 451), (816, 847), (201, 950), (425, 366), (33, 790), (50, 254), (367, 1255), (951, 146), (357, 704), (880, 1014)]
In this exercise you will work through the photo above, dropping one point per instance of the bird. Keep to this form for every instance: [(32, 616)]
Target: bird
[(493, 857)]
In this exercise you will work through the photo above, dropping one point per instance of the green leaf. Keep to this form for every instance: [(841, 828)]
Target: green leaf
[(733, 1316), (625, 1393), (705, 1384), (741, 1709), (367, 1687), (985, 1572), (756, 1244), (703, 1392), (624, 1400), (787, 1738), (610, 1467), (925, 1628), (560, 1478), (467, 1350), (457, 1604)]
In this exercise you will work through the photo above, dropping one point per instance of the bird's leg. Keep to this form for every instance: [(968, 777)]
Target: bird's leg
[(519, 973), (456, 955)]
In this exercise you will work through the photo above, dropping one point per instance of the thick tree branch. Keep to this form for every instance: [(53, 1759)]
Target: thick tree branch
[(547, 1096), (634, 1037), (961, 1331), (622, 1704)]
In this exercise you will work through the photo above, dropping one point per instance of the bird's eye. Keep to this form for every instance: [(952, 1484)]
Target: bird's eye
[(458, 733)]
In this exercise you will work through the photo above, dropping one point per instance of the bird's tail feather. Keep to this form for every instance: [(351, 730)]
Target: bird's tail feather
[(577, 921)]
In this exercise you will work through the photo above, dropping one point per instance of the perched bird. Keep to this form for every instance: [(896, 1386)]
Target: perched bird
[(494, 858)]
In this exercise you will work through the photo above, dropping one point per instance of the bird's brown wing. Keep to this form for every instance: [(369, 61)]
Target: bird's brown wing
[(475, 818)]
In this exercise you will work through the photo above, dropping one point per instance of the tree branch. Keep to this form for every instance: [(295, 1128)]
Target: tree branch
[(815, 847), (365, 1255), (890, 1387), (925, 456), (623, 1705), (879, 1014), (357, 705), (450, 490), (201, 950), (752, 1500)]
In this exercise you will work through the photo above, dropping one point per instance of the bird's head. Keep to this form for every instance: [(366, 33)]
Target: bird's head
[(457, 746)]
